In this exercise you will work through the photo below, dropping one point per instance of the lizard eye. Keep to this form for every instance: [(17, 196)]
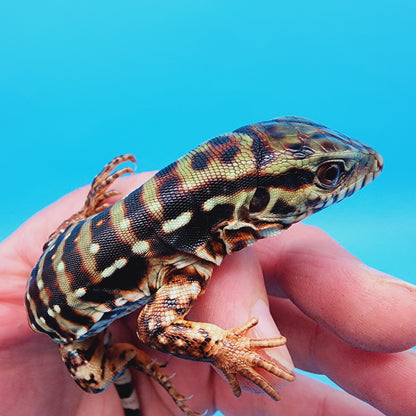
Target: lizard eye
[(260, 200), (329, 174)]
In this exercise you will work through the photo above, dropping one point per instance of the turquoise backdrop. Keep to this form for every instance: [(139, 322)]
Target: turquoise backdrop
[(83, 81)]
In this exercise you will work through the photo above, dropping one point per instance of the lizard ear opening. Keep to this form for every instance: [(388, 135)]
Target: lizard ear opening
[(260, 200)]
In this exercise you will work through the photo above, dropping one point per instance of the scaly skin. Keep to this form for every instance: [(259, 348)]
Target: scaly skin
[(157, 249)]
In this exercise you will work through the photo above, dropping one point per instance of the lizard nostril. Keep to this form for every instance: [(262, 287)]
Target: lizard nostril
[(379, 161)]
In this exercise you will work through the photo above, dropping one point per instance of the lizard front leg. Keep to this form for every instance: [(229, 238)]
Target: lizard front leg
[(161, 325)]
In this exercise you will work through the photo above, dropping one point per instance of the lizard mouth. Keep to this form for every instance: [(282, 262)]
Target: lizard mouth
[(374, 166)]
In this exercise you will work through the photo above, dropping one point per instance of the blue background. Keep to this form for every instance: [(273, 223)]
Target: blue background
[(83, 81)]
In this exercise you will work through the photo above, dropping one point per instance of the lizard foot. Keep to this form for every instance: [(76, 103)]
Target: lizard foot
[(237, 355), (97, 194)]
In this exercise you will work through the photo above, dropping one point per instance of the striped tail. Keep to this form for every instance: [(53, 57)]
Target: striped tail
[(126, 391)]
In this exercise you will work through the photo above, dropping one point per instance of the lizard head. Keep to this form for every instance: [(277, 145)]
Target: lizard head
[(303, 167)]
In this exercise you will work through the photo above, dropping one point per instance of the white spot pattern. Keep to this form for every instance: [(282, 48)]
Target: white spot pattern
[(81, 291), (178, 222), (118, 264), (94, 248), (140, 247)]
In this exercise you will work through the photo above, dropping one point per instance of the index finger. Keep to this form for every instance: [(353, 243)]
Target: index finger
[(359, 304)]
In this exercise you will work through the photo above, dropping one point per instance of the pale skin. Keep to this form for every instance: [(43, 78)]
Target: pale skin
[(341, 318)]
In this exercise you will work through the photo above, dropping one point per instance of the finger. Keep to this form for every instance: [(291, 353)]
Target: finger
[(359, 304), (303, 397), (384, 380), (235, 294)]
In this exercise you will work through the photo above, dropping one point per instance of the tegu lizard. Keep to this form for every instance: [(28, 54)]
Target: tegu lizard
[(156, 249)]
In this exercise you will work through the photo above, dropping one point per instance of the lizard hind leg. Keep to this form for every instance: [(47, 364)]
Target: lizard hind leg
[(94, 364), (99, 188), (97, 194)]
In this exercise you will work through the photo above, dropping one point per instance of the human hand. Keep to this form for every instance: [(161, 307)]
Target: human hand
[(341, 319)]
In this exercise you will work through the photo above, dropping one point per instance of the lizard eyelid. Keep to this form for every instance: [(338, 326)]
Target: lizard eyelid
[(329, 174)]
